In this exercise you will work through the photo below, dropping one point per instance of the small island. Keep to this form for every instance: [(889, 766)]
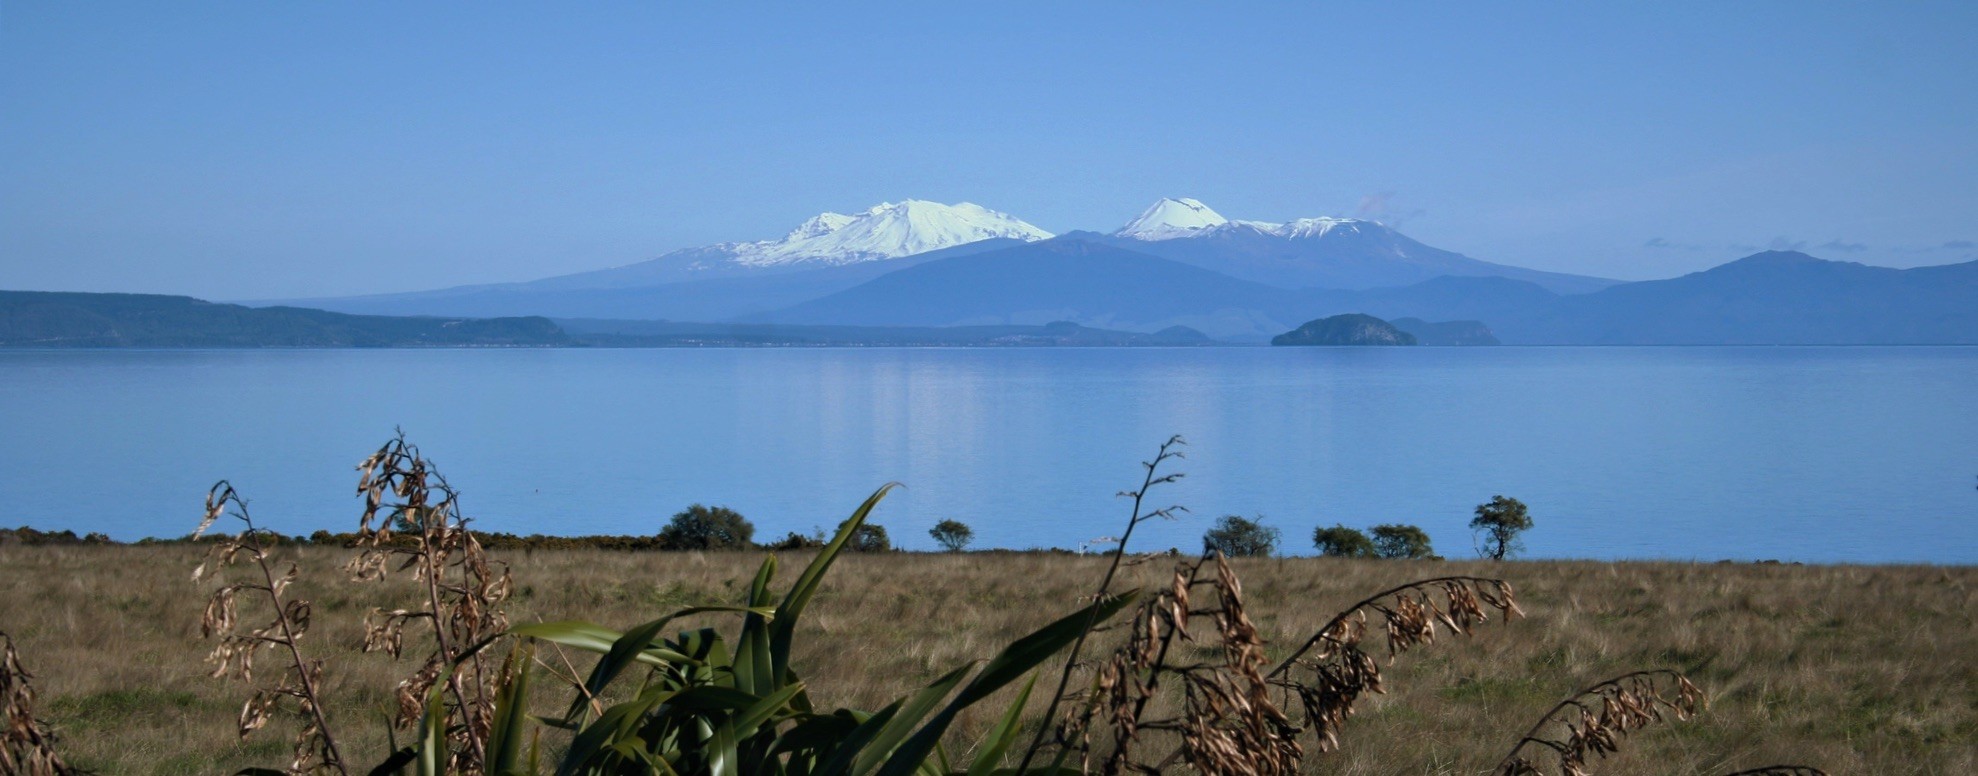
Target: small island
[(1348, 329)]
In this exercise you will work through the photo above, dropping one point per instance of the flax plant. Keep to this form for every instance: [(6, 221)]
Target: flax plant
[(297, 684), (26, 746), (411, 521)]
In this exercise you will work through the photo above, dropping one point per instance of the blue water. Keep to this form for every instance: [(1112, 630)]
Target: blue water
[(1815, 454)]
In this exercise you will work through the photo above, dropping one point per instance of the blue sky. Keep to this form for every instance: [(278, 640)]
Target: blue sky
[(254, 150)]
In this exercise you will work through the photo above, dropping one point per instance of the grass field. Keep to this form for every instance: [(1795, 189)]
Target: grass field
[(1858, 670)]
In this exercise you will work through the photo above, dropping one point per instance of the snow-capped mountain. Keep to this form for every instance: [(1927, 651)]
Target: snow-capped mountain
[(1342, 253), (1171, 219), (890, 230), (886, 231)]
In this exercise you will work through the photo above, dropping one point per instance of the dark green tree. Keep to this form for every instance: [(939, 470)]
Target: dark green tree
[(1396, 540), (1342, 542), (1498, 524), (952, 534), (701, 527), (1238, 537), (869, 537)]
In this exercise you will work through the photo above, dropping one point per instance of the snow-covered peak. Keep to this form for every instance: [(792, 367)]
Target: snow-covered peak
[(1315, 227), (1170, 218), (818, 224), (885, 231)]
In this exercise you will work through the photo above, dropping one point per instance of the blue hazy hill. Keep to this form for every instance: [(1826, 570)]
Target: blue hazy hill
[(1772, 298), (57, 319)]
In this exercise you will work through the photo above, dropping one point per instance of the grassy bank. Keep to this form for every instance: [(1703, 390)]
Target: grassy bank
[(1855, 669)]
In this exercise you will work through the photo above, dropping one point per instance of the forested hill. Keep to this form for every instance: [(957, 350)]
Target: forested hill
[(80, 320)]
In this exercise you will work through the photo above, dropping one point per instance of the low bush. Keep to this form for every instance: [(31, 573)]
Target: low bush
[(701, 527)]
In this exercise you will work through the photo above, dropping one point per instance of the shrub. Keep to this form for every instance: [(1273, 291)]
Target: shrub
[(952, 534), (1240, 537), (795, 541), (1499, 522), (1395, 540), (1342, 542), (707, 528), (869, 538)]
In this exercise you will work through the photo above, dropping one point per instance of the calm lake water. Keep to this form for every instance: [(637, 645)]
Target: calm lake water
[(1815, 454)]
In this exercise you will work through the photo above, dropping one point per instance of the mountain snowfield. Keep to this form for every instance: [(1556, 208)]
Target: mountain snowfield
[(885, 231), (1172, 219)]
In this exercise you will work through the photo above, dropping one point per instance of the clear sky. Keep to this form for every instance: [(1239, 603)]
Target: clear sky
[(255, 150)]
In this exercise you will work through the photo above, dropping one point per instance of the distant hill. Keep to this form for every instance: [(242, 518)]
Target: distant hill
[(1772, 298), (1093, 283), (611, 295), (1349, 329), (49, 319)]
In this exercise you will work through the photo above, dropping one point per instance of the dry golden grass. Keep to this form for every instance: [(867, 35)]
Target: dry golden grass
[(1858, 670)]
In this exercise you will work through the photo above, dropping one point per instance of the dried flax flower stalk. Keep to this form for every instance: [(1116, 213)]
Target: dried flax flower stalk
[(296, 686), (26, 747), (1781, 770), (1331, 670), (1591, 723), (1071, 734), (412, 521), (1226, 723)]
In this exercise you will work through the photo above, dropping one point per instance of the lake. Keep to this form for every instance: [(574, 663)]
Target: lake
[(1862, 454)]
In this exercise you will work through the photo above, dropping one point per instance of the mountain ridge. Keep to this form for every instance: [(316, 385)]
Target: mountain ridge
[(1322, 252)]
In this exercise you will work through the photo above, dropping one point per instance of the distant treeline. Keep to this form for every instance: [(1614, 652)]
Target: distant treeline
[(32, 537), (36, 319), (491, 540)]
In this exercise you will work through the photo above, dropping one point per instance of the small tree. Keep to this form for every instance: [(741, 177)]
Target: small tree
[(1239, 537), (1342, 542), (869, 537), (1498, 523), (701, 527), (952, 534), (1395, 540)]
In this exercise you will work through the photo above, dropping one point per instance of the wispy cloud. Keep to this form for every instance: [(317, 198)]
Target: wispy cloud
[(1959, 245), (1662, 243), (1837, 244), (1785, 244), (1380, 206)]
